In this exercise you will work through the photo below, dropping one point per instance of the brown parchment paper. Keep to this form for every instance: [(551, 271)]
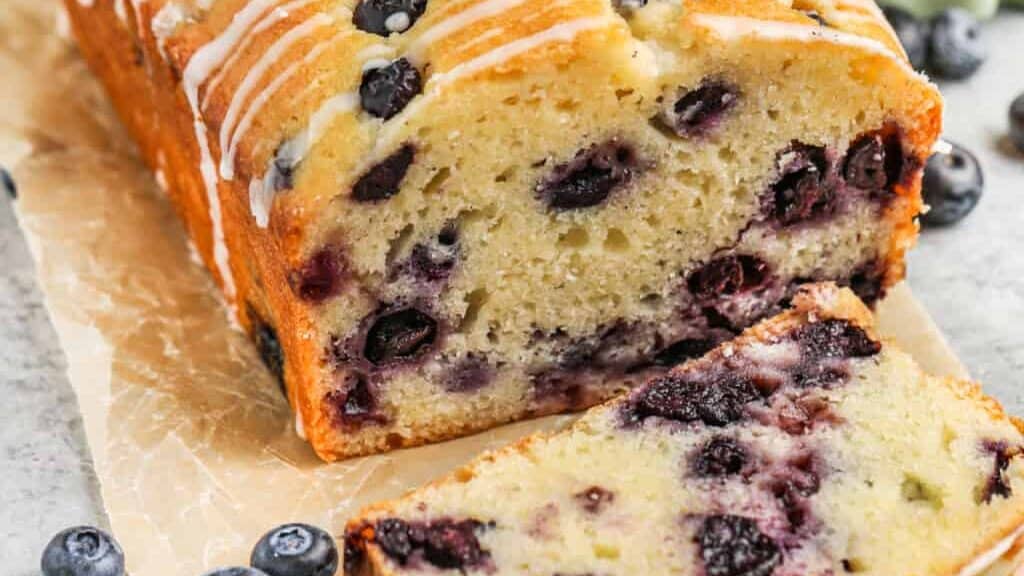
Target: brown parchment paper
[(192, 441)]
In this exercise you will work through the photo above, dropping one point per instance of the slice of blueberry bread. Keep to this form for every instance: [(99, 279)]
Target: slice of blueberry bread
[(435, 216), (804, 447)]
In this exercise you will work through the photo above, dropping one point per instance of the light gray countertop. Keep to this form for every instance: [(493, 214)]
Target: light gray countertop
[(970, 277)]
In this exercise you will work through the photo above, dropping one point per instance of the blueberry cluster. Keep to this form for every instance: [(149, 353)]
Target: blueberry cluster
[(721, 393), (288, 550), (443, 543), (949, 46)]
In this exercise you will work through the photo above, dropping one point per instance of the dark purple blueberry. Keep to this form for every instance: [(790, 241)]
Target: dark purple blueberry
[(701, 110), (384, 180), (867, 282), (354, 403), (803, 190), (82, 551), (835, 338), (383, 17), (720, 456), (320, 277), (728, 275), (715, 396), (469, 374), (899, 164), (681, 351), (997, 484), (454, 545), (296, 550), (269, 347), (594, 499), (7, 182), (399, 336), (446, 544), (433, 261), (816, 16), (864, 166), (138, 55), (735, 546), (589, 178), (393, 537), (952, 186), (822, 344), (1016, 129), (956, 48), (355, 549), (386, 91), (913, 34), (282, 170)]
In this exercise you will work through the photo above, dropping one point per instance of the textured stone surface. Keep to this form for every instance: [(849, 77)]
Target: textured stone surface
[(46, 477), (970, 277)]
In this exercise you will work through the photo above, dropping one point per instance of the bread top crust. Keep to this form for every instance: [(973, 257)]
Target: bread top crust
[(272, 79)]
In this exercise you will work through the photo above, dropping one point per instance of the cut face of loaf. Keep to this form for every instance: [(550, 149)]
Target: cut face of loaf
[(805, 447), (436, 216)]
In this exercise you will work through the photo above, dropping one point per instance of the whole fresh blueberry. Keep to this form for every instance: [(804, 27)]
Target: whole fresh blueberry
[(383, 17), (236, 571), (296, 550), (1017, 122), (82, 551), (952, 186), (7, 183), (386, 90), (956, 49), (913, 34)]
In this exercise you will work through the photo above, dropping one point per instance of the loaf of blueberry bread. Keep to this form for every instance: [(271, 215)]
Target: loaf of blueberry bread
[(805, 447), (435, 216)]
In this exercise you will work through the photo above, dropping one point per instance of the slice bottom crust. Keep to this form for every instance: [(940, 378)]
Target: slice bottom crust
[(806, 446)]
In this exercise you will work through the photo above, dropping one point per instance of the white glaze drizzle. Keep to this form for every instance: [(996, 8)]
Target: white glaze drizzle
[(264, 96), (62, 22), (872, 18), (269, 19), (397, 22), (739, 26), (86, 3), (121, 11), (486, 36), (166, 21), (198, 70), (251, 81), (137, 9), (983, 561), (452, 24), (561, 32), (263, 190)]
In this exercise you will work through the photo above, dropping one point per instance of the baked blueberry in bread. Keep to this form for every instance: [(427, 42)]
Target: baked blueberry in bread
[(436, 216), (807, 446)]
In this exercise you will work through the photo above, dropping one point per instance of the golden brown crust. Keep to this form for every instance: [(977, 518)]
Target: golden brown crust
[(147, 92)]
